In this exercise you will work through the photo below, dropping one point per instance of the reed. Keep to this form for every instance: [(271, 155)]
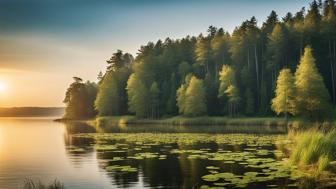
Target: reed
[(37, 184)]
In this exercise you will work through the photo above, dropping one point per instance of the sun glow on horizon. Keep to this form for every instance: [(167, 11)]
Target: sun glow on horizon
[(3, 87)]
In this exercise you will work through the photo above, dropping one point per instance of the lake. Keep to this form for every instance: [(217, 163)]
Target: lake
[(75, 154)]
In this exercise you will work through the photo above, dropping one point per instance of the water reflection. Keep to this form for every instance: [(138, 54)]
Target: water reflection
[(141, 128), (75, 128), (175, 171), (42, 149), (37, 148)]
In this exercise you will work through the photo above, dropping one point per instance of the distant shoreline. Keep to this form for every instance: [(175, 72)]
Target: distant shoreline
[(31, 111)]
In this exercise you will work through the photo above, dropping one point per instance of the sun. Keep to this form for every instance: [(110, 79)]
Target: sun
[(3, 87)]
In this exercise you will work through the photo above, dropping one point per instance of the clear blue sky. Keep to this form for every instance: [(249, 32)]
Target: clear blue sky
[(56, 39)]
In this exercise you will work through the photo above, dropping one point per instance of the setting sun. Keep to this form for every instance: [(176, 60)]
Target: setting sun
[(3, 87)]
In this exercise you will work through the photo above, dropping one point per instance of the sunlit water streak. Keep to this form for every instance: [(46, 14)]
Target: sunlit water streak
[(35, 148)]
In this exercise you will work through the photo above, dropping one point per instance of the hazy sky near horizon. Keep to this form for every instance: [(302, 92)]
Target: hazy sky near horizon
[(43, 43)]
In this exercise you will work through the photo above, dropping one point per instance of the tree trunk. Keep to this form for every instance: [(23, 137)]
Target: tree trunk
[(205, 67), (248, 58), (257, 70), (332, 73), (216, 70), (273, 78), (334, 59), (301, 44), (286, 106)]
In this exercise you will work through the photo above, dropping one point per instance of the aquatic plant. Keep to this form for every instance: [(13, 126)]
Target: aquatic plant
[(256, 155), (31, 184), (121, 168), (323, 162), (314, 147)]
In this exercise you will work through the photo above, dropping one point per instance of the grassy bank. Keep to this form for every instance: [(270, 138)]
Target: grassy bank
[(262, 125), (314, 153), (188, 121), (193, 125), (315, 148)]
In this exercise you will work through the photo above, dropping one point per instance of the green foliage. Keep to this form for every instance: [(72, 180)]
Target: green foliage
[(323, 163), (181, 98), (119, 60), (111, 97), (154, 100), (108, 99), (284, 100), (181, 95), (250, 105), (195, 104), (228, 88), (138, 96), (312, 19), (171, 102), (312, 95), (276, 49), (226, 78), (191, 124), (308, 182), (203, 52), (79, 99), (220, 49), (184, 69), (313, 147), (255, 54), (191, 98)]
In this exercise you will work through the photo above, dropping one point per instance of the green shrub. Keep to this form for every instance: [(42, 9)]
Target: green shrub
[(314, 147)]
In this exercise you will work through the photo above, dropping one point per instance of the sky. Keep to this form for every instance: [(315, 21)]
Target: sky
[(44, 43)]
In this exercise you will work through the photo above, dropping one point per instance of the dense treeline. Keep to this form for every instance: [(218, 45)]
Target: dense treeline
[(224, 74)]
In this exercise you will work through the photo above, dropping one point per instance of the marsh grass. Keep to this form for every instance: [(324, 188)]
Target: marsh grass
[(323, 163), (308, 182), (31, 184), (314, 148), (187, 124)]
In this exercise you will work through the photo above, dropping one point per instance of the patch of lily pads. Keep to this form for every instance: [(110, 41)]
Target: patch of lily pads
[(119, 168), (256, 155)]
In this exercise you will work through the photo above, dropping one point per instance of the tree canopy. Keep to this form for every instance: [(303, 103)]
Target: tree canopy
[(285, 94), (312, 95), (218, 73)]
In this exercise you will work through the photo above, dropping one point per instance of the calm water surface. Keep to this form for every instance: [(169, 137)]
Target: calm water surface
[(39, 148), (36, 148)]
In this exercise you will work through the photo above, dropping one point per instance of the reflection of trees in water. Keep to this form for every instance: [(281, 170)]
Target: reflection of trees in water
[(120, 179), (189, 170), (78, 149), (193, 169), (177, 171), (166, 128), (79, 127), (161, 172), (152, 171), (124, 180), (76, 128)]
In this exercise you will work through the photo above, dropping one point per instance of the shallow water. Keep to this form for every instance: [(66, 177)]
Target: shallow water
[(41, 149)]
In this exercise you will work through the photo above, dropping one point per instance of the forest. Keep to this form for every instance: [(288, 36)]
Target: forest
[(285, 66)]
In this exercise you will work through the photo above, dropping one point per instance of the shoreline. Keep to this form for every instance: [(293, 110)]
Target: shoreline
[(185, 121), (193, 121)]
